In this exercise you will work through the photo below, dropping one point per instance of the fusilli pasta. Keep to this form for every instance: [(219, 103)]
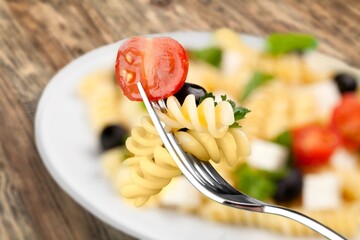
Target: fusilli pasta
[(276, 108), (143, 139), (291, 69), (203, 118), (99, 91), (152, 166), (351, 180), (231, 148), (111, 161), (150, 175)]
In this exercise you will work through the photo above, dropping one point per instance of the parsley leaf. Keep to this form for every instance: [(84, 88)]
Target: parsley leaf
[(256, 80), (207, 95), (239, 112), (254, 182), (282, 43), (232, 103), (284, 139), (235, 125), (211, 55)]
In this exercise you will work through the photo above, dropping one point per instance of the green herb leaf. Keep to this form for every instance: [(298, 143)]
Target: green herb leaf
[(207, 95), (282, 43), (232, 103), (211, 55), (284, 139), (240, 112), (258, 79), (235, 125), (254, 182), (277, 175)]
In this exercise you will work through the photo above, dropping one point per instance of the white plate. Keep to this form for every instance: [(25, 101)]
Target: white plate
[(69, 150)]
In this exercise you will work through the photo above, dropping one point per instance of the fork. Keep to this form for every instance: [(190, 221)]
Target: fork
[(203, 176)]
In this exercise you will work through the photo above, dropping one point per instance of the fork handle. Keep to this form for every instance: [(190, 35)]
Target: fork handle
[(305, 220)]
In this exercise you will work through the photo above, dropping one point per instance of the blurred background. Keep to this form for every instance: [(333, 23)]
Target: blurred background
[(38, 38)]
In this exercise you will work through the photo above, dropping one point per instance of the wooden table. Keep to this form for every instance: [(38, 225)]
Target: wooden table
[(37, 38)]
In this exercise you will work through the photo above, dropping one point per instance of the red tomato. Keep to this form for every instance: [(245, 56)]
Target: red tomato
[(313, 145), (346, 121), (160, 64)]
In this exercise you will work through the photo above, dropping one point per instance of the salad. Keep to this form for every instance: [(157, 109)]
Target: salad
[(299, 113)]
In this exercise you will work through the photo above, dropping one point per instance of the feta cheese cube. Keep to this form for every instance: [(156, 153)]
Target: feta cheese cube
[(343, 159), (267, 155), (321, 191), (326, 96), (231, 62), (180, 194)]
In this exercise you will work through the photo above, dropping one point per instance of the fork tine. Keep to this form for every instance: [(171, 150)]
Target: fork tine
[(203, 169), (232, 194), (200, 179), (171, 144), (190, 169), (199, 168), (209, 170)]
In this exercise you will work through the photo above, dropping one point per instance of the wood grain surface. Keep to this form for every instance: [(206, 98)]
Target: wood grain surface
[(37, 38)]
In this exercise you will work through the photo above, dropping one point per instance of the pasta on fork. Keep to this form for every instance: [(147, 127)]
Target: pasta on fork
[(152, 166)]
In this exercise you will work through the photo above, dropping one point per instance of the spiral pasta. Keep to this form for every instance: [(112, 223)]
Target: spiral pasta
[(276, 108), (350, 180), (99, 91), (150, 175), (291, 69), (203, 118), (153, 167), (232, 148), (143, 139), (111, 161), (95, 81)]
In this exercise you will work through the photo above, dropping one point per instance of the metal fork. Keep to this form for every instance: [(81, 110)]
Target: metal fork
[(208, 181)]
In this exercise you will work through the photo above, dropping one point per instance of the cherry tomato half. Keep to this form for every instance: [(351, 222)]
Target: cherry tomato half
[(160, 64), (313, 145), (346, 121)]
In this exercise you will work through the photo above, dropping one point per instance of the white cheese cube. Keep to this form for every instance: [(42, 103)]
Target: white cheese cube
[(231, 62), (326, 96), (180, 194), (267, 155), (343, 159), (321, 191)]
